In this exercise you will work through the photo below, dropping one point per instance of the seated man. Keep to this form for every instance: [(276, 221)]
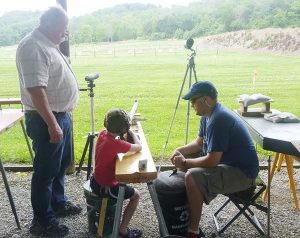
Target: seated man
[(230, 162)]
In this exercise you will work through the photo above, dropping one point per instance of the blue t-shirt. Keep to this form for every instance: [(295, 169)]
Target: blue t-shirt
[(225, 132)]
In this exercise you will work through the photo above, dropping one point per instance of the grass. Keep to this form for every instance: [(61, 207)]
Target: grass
[(155, 81)]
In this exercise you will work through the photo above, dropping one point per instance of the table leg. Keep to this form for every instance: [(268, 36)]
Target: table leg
[(289, 162), (162, 224), (280, 160), (118, 212), (26, 138), (12, 204)]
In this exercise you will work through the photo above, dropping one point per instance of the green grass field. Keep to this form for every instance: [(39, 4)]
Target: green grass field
[(155, 81)]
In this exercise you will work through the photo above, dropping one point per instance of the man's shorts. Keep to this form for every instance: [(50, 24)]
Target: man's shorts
[(223, 179), (112, 191)]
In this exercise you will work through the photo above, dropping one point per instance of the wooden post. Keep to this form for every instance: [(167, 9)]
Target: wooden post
[(64, 46), (65, 49)]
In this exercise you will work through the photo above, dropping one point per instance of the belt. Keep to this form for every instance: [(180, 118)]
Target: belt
[(35, 112)]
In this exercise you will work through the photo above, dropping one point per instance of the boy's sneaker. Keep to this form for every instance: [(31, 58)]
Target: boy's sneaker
[(53, 229), (132, 233), (67, 209)]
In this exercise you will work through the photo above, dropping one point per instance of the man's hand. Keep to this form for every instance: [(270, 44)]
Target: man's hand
[(55, 133), (175, 153), (179, 161)]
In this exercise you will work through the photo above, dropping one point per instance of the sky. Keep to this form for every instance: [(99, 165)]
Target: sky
[(79, 7)]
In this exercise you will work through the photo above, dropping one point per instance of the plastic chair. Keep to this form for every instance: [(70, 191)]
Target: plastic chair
[(243, 200)]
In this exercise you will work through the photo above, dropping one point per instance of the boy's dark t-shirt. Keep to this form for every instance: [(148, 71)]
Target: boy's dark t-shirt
[(107, 148)]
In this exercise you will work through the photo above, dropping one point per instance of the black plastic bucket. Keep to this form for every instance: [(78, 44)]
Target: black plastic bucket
[(93, 203), (173, 201)]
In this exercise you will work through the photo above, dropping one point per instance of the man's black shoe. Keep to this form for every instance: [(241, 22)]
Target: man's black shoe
[(52, 229), (67, 209)]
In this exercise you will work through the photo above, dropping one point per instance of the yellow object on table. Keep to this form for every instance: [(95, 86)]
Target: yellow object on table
[(289, 159)]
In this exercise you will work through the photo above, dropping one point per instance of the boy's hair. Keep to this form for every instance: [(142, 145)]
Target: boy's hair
[(117, 121)]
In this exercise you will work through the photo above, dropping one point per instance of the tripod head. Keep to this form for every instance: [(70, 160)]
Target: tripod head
[(90, 80), (188, 45)]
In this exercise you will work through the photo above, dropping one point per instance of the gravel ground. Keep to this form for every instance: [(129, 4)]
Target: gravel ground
[(284, 218)]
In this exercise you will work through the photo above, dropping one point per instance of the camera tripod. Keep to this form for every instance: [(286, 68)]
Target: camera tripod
[(190, 69), (91, 135)]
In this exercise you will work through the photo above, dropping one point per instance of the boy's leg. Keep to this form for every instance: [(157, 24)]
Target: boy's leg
[(133, 196), (129, 211)]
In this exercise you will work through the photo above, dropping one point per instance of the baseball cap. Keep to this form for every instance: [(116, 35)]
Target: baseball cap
[(203, 88)]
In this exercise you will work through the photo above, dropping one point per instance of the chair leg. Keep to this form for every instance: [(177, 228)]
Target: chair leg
[(290, 169), (243, 209), (223, 228), (102, 214), (264, 197), (253, 219), (219, 229), (221, 208)]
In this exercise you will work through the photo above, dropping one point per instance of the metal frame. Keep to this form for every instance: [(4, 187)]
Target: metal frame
[(244, 208)]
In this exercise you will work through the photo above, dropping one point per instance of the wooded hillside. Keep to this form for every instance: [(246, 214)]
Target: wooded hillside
[(140, 21)]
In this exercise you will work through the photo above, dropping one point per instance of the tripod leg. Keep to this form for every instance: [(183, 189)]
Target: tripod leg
[(90, 157), (188, 109), (195, 75), (83, 154), (192, 70), (178, 99)]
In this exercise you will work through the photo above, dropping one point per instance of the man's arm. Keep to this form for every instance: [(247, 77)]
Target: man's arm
[(210, 160), (40, 101), (193, 147), (136, 146)]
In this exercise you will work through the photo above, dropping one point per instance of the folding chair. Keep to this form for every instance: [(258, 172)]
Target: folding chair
[(243, 200)]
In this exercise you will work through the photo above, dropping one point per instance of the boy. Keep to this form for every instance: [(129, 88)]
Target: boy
[(110, 142)]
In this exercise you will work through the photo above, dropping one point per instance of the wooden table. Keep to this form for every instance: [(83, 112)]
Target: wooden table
[(8, 118), (9, 101), (127, 170)]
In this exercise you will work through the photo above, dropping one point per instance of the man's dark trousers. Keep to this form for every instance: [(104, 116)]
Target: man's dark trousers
[(49, 165)]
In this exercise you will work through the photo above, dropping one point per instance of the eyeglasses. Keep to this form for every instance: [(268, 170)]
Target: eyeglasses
[(193, 100)]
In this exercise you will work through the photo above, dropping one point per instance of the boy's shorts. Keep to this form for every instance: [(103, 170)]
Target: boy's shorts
[(223, 179), (112, 191)]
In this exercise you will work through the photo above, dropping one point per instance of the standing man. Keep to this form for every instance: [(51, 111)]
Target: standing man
[(49, 92), (229, 161)]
